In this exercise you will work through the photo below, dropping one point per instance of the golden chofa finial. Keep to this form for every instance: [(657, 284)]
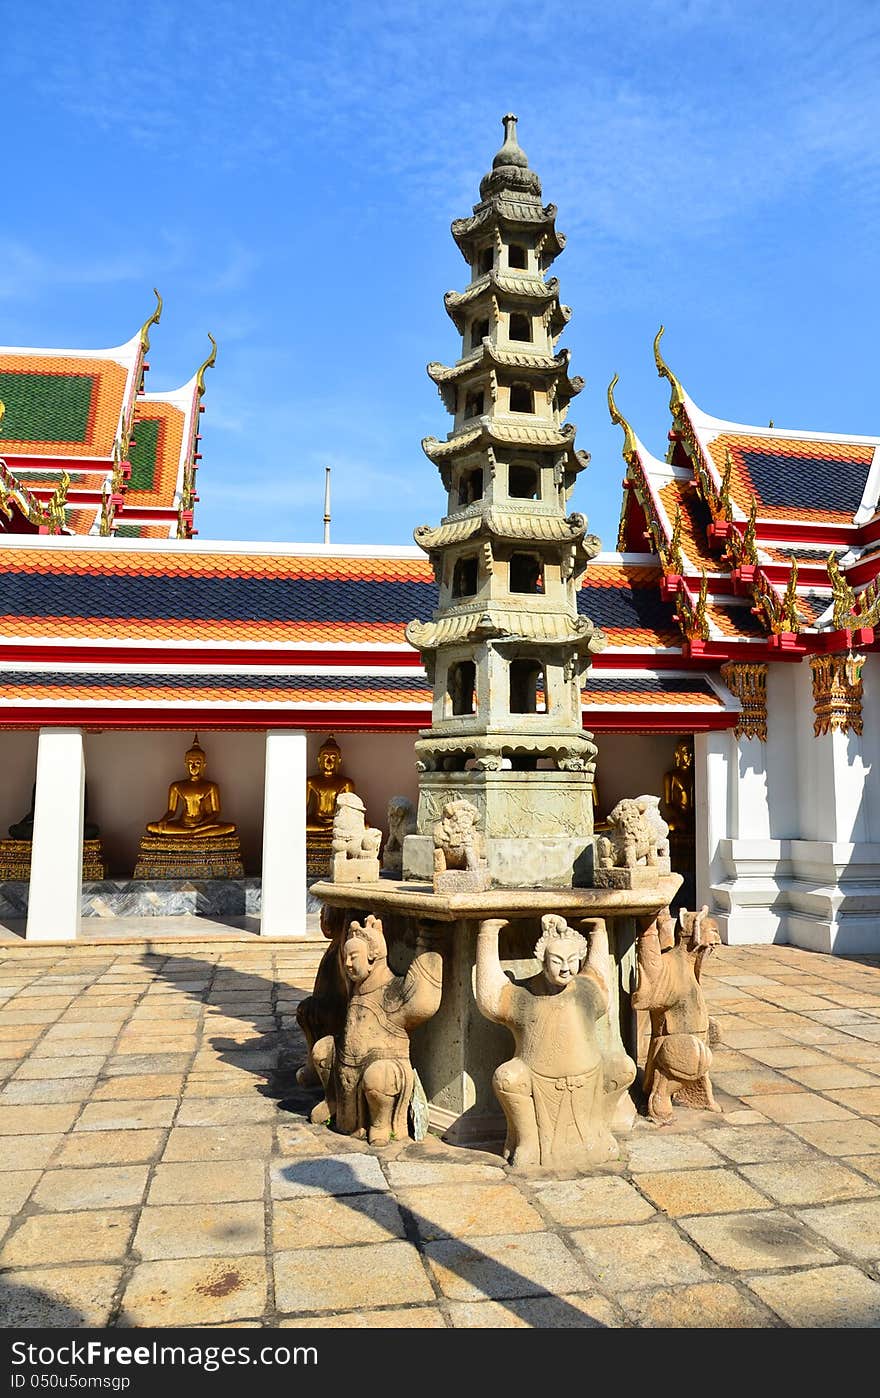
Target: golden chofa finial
[(153, 320), (208, 364), (676, 397), (2, 411), (629, 437)]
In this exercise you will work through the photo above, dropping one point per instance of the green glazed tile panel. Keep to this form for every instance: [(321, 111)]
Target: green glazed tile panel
[(46, 407)]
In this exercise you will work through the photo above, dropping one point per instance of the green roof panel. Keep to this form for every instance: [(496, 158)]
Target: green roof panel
[(45, 407)]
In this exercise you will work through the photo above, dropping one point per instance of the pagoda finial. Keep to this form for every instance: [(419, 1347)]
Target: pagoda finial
[(153, 320), (511, 153), (676, 397), (208, 364), (629, 437)]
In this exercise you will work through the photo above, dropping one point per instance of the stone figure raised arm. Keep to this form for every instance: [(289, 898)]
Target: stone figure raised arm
[(560, 1091), (366, 1071)]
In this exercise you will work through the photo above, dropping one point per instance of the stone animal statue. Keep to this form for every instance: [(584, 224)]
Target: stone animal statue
[(679, 1055), (401, 822), (351, 834), (637, 835), (458, 844), (365, 1067), (560, 1091)]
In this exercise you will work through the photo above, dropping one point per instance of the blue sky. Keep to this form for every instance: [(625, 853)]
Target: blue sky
[(286, 174)]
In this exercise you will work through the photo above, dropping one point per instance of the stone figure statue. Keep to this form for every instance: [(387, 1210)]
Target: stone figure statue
[(365, 1069), (354, 844), (193, 803), (459, 849), (323, 1012), (560, 1092), (636, 835), (679, 1055), (401, 822), (678, 792), (324, 786)]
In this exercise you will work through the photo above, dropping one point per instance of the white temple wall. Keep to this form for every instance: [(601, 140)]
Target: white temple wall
[(18, 763)]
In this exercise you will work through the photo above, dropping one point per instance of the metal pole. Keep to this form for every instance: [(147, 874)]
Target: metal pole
[(327, 505)]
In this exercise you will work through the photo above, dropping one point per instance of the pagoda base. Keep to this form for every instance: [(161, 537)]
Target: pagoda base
[(457, 1051), (548, 862), (15, 860), (164, 857)]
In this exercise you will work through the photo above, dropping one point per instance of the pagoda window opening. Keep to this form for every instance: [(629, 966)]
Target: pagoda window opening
[(470, 486), (523, 483), (475, 403), (461, 687), (526, 573), (528, 687), (520, 326), (518, 256), (464, 577), (521, 398), (523, 762), (479, 331), (485, 261)]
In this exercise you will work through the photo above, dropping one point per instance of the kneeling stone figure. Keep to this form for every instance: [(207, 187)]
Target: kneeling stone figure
[(366, 1071), (559, 1094)]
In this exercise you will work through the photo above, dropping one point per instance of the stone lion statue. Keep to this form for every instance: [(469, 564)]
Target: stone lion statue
[(637, 835), (458, 844), (352, 837)]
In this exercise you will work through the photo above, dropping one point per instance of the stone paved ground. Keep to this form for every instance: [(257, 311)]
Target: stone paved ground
[(150, 1177)]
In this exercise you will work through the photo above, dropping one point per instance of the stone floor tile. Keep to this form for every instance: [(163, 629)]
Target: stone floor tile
[(831, 1075), (194, 1291), (326, 1221), (809, 1181), (39, 1093), (853, 1227), (465, 1210), (753, 1082), (58, 1297), (100, 1187), (110, 1148), (134, 1046), (351, 1173), (55, 1068), (631, 1256), (752, 1242), (751, 1144), (201, 1181), (27, 1152), (226, 1111), (858, 1051), (147, 1063), (585, 1203), (101, 1235), (747, 1036), (789, 1055), (505, 1265), (706, 1306), (248, 1141), (864, 1100), (850, 1137), (660, 1148), (15, 1187), (219, 1085), (139, 1085), (394, 1318), (23, 1121), (127, 1115), (410, 1174), (568, 1312), (868, 1164), (679, 1192), (840, 1298), (350, 1278), (797, 1107), (200, 1230), (51, 1046)]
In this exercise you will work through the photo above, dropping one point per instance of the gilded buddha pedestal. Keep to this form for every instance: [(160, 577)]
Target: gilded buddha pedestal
[(191, 841)]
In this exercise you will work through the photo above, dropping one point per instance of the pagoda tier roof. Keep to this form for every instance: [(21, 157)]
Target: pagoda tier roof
[(530, 525), (500, 622), (510, 211), (512, 431), (509, 287), (534, 365)]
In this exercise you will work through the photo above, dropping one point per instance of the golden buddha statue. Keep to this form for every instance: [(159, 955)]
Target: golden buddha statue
[(200, 800), (190, 840), (678, 792), (323, 787)]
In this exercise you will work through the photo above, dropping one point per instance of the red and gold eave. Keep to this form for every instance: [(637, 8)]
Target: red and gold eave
[(115, 634)]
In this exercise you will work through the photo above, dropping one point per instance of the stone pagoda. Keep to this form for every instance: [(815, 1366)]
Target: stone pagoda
[(506, 651)]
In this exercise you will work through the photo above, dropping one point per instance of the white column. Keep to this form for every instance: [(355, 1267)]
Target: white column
[(712, 800), (283, 898), (751, 814), (56, 855)]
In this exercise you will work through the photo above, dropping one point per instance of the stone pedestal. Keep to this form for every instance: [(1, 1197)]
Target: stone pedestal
[(456, 1052), (15, 860), (165, 857)]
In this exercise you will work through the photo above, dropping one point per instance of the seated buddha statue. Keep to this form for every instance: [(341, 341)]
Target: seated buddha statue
[(323, 787), (193, 804), (678, 792)]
